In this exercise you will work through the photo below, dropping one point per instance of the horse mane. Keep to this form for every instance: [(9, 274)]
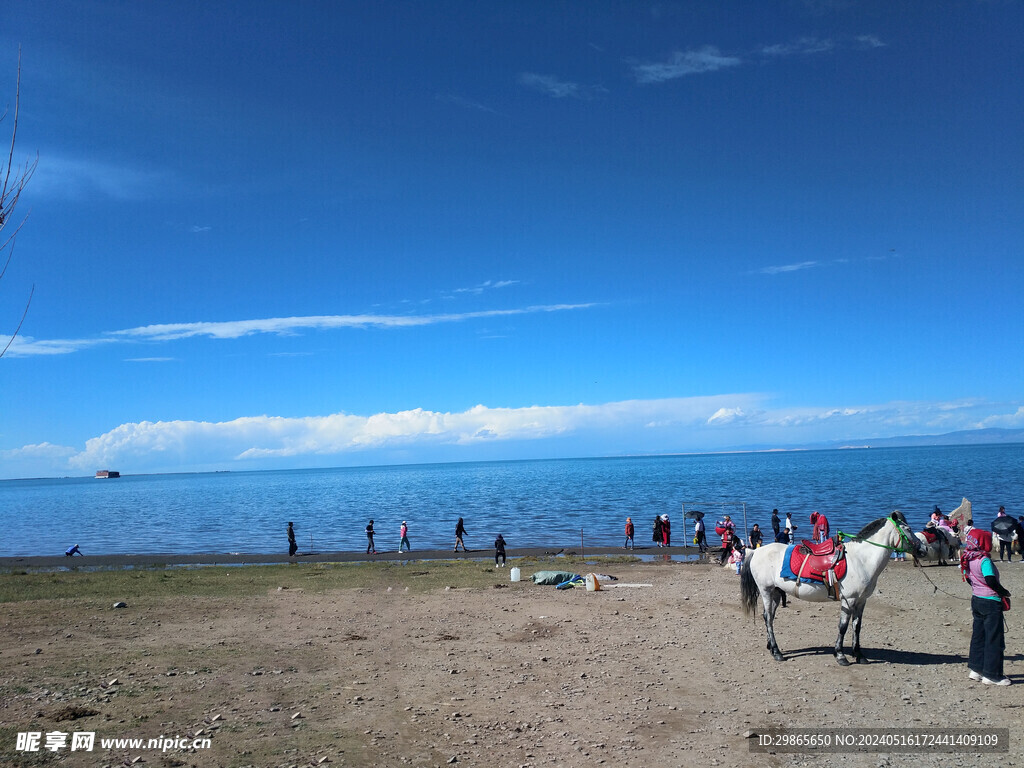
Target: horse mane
[(876, 525), (872, 528)]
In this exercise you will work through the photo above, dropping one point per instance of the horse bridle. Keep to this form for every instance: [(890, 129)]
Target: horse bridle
[(903, 538)]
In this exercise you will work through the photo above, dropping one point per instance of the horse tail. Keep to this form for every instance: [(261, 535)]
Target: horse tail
[(749, 591)]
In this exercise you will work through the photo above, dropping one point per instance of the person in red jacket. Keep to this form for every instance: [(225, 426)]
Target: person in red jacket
[(820, 523), (629, 533), (726, 529)]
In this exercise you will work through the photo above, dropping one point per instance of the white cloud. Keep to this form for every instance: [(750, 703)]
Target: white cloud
[(487, 285), (718, 422), (710, 59), (1005, 421), (682, 63), (726, 416), (779, 269), (869, 41), (803, 46), (284, 326), (550, 85), (466, 103), (172, 443), (24, 346), (63, 177), (559, 89)]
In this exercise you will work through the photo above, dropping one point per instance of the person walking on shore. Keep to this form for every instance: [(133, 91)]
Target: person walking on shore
[(1004, 532), (629, 534), (460, 531), (700, 533), (292, 546), (370, 548), (988, 601), (499, 551), (404, 534), (659, 536)]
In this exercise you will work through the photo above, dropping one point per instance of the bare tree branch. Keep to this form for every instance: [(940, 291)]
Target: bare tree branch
[(23, 316), (15, 178)]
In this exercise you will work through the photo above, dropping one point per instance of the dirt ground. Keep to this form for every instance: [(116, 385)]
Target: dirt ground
[(502, 674)]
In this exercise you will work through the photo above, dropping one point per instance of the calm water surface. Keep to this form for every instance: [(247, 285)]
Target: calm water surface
[(532, 503)]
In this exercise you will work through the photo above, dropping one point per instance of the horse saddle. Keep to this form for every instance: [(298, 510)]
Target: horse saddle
[(827, 547), (930, 536), (823, 563)]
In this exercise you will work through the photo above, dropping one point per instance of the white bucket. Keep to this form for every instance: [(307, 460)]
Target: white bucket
[(593, 585), (514, 573)]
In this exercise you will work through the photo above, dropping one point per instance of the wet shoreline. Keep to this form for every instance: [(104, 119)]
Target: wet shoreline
[(254, 558)]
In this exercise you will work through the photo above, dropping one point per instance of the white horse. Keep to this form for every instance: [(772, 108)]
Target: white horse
[(936, 551), (941, 550), (867, 554)]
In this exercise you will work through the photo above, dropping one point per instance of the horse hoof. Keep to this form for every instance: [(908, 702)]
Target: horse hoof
[(861, 660), (779, 657), (843, 661)]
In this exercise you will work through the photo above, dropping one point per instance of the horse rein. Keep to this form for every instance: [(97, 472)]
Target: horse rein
[(903, 538)]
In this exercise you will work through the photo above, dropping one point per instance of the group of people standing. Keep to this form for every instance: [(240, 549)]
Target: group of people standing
[(662, 532), (404, 545), (662, 535)]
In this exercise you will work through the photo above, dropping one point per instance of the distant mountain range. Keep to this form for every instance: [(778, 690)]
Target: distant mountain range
[(963, 437)]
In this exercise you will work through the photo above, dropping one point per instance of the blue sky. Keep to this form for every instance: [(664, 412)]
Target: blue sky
[(300, 234)]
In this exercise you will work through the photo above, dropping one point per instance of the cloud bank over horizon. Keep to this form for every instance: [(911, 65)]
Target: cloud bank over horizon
[(693, 424)]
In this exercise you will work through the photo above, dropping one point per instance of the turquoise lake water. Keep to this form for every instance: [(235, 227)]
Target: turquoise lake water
[(532, 503)]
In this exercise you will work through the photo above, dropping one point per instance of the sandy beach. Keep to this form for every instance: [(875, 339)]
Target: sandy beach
[(495, 673)]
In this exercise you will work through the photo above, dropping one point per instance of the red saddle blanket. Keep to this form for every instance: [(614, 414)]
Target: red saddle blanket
[(812, 562), (930, 536)]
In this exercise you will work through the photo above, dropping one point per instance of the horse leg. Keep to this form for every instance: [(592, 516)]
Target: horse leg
[(858, 614), (844, 622), (771, 603)]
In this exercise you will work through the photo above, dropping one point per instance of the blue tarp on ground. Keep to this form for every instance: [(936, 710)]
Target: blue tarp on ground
[(554, 577)]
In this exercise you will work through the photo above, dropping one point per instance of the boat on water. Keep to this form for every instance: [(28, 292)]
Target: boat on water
[(105, 474)]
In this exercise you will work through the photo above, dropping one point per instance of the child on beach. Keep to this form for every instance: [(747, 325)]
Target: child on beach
[(629, 534), (404, 533), (736, 556)]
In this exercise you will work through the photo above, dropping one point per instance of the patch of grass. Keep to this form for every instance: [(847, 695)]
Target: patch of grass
[(108, 586)]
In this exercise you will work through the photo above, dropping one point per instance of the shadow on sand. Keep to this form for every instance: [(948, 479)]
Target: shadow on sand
[(885, 655)]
